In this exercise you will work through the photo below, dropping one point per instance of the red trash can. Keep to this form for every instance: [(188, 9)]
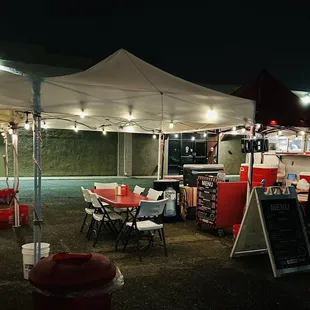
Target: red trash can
[(74, 281)]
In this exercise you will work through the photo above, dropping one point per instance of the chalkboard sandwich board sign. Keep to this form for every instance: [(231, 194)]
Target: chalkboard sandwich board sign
[(273, 223)]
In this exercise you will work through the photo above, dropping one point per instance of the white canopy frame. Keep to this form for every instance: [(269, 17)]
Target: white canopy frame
[(122, 85)]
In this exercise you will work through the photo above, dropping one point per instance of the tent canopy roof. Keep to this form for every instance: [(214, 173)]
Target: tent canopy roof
[(120, 85)]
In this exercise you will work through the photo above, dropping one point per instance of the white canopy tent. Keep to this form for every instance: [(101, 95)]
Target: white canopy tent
[(121, 93), (120, 85)]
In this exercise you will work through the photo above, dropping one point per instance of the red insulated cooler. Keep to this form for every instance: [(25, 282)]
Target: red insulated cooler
[(6, 218), (260, 172), (72, 281)]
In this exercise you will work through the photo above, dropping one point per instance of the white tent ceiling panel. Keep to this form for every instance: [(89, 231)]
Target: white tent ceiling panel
[(123, 84)]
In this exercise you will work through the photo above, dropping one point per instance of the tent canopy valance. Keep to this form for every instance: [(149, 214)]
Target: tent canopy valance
[(123, 85)]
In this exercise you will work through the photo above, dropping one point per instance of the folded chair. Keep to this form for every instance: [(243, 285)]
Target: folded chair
[(145, 224), (104, 217)]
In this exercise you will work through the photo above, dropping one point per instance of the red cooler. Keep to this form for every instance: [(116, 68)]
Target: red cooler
[(260, 172), (305, 175)]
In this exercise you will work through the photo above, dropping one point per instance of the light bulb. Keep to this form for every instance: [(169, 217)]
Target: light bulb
[(243, 130), (75, 128), (27, 126), (82, 114), (193, 138), (302, 133), (234, 129), (44, 126), (211, 115), (305, 99), (279, 132), (129, 117), (176, 136), (103, 131), (10, 131), (3, 134), (154, 136), (171, 125), (258, 126)]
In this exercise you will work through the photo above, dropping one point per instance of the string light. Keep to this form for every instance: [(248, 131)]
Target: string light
[(44, 126), (176, 136), (154, 136), (211, 115), (75, 128), (193, 138), (302, 133), (171, 125), (10, 131), (243, 130), (204, 134), (234, 129), (82, 114), (279, 132), (103, 131), (3, 134), (27, 125)]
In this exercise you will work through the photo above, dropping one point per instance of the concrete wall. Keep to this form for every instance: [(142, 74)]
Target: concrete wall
[(230, 154), (144, 154), (66, 153)]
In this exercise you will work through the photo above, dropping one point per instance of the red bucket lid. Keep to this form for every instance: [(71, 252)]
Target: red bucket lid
[(71, 272)]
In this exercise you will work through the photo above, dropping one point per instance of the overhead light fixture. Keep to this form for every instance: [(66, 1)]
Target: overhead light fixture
[(171, 125), (27, 125), (176, 136), (205, 134), (82, 114), (305, 99), (193, 138), (211, 115), (75, 128), (129, 117), (103, 131)]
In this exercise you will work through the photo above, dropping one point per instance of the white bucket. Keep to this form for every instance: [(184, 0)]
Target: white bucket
[(28, 256)]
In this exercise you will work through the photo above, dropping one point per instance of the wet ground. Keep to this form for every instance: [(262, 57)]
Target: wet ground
[(197, 274)]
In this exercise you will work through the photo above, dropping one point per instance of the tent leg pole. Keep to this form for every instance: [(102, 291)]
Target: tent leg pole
[(16, 177), (36, 84), (159, 157)]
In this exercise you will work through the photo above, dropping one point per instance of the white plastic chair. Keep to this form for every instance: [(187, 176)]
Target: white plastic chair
[(145, 221), (105, 185), (154, 194), (89, 210), (106, 216), (138, 190)]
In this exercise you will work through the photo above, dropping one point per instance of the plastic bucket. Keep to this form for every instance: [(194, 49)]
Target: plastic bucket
[(28, 256)]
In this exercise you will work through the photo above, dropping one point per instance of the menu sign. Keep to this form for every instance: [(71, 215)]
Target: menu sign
[(207, 200), (273, 223), (286, 233)]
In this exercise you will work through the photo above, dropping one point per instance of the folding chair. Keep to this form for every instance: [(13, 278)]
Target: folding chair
[(146, 220), (154, 194), (105, 185), (90, 209), (104, 216)]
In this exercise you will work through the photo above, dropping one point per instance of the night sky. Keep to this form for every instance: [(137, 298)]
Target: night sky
[(211, 45)]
